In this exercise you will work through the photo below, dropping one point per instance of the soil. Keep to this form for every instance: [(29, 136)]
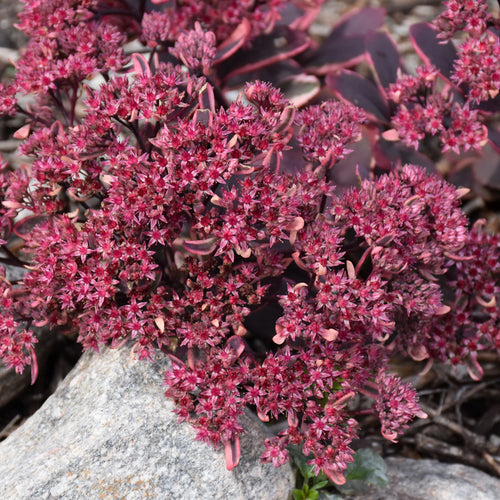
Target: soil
[(464, 416)]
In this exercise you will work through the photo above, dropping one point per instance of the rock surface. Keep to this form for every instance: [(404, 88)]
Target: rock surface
[(108, 432), (431, 480)]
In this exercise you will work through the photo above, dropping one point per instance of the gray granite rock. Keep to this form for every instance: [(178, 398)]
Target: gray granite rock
[(431, 480), (108, 432)]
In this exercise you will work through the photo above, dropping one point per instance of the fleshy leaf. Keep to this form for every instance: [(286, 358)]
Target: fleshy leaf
[(345, 46), (23, 227), (329, 334), (359, 22), (389, 154), (351, 87), (490, 106), (282, 44), (418, 352), (232, 452), (368, 467), (200, 247), (234, 42), (487, 169), (281, 335), (335, 53), (385, 59), (494, 138), (34, 365), (235, 345), (274, 74), (432, 50), (300, 89), (141, 65), (473, 367), (23, 132)]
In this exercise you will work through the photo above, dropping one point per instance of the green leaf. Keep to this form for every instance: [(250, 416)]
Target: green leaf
[(312, 495), (368, 467), (298, 495), (300, 460), (319, 485)]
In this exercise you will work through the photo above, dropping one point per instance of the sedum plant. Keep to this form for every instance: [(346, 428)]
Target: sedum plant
[(156, 208)]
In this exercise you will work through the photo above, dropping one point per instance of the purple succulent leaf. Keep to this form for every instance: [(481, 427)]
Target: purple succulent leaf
[(200, 247), (351, 87), (232, 452), (473, 367), (234, 42), (384, 56), (487, 169), (463, 175), (292, 160), (432, 50), (23, 227), (141, 65), (296, 18), (359, 22), (345, 174), (336, 53), (300, 89), (494, 138), (235, 345), (389, 154), (274, 74), (281, 44), (491, 106), (345, 46)]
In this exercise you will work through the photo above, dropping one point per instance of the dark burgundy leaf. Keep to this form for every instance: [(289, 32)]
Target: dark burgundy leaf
[(234, 42), (432, 50), (345, 46), (388, 154), (273, 74), (235, 346), (280, 45), (23, 227), (292, 160), (141, 65), (300, 89), (494, 137), (345, 173), (491, 105), (487, 168), (336, 53), (295, 17), (385, 59), (350, 86), (359, 22), (201, 247)]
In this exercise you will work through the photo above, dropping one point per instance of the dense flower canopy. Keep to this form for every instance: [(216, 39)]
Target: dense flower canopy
[(155, 208)]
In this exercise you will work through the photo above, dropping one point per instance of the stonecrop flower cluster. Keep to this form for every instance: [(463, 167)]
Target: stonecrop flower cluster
[(452, 112), (153, 210)]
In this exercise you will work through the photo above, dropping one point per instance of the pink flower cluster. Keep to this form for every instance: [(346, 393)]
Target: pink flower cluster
[(423, 111), (397, 404), (221, 18), (471, 16), (319, 123), (478, 62), (153, 210)]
